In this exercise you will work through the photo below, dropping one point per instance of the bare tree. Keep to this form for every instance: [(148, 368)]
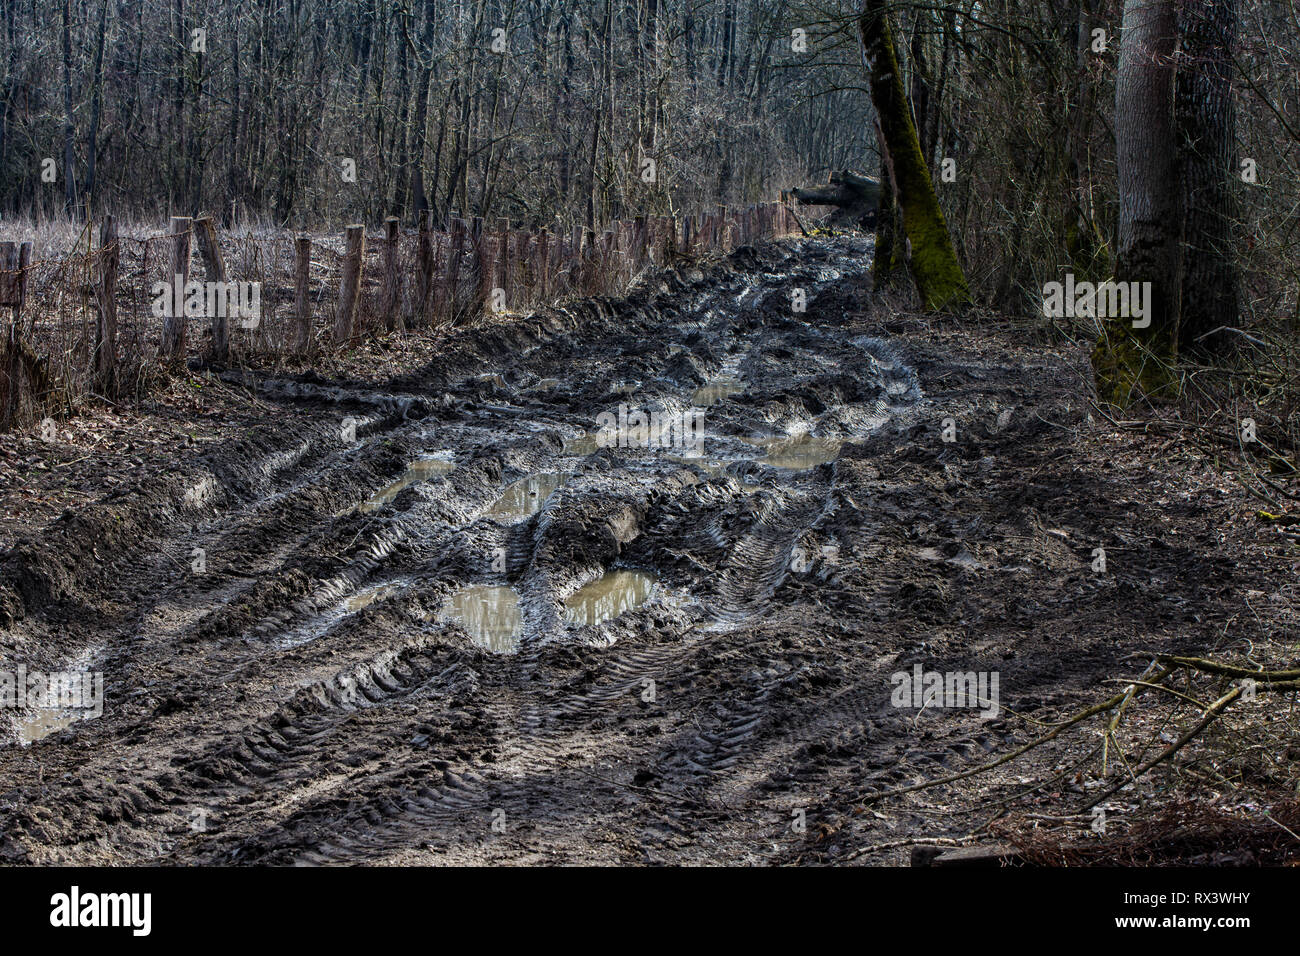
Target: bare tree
[(1140, 359), (1208, 138)]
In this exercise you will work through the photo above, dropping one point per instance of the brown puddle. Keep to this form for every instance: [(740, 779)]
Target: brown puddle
[(710, 466), (798, 452), (48, 720), (588, 443), (608, 597), (584, 444), (368, 596), (420, 470), (713, 392), (714, 468), (490, 614), (71, 695), (526, 496)]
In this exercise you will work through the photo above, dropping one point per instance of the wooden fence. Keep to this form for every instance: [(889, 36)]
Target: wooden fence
[(100, 323)]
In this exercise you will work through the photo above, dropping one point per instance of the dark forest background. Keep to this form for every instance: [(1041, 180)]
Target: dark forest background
[(547, 111)]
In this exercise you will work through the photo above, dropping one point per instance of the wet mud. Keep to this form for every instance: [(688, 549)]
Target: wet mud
[(455, 619)]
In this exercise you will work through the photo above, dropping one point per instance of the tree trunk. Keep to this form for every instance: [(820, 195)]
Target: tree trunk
[(885, 261), (1207, 128), (419, 199), (931, 258), (69, 156), (1084, 241), (1134, 361), (92, 135)]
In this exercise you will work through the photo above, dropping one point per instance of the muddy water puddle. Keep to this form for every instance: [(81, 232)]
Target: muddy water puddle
[(581, 445), (55, 700), (526, 496), (420, 470), (47, 721), (609, 596), (490, 614), (714, 468), (638, 429), (715, 391), (368, 596), (798, 452)]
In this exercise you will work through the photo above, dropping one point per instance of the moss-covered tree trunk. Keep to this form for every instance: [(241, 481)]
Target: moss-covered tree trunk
[(887, 226), (931, 258)]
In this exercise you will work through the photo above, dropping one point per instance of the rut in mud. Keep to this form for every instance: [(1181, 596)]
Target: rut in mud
[(448, 621)]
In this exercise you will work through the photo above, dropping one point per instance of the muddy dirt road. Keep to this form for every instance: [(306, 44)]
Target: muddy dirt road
[(443, 621)]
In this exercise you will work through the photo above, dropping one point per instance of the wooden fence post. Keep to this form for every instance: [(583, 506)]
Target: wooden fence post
[(110, 254), (482, 266), (15, 258), (392, 281), (178, 274), (638, 243), (9, 279), (455, 251), (590, 259), (22, 363), (9, 409), (543, 265), (623, 240), (557, 263), (214, 268), (573, 259), (350, 285), (524, 271), (302, 293), (608, 250), (503, 258), (24, 263), (424, 272)]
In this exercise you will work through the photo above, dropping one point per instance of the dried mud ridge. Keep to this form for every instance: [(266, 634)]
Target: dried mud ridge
[(303, 700)]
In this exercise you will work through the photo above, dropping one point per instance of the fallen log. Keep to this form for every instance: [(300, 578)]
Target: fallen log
[(965, 857), (855, 198)]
